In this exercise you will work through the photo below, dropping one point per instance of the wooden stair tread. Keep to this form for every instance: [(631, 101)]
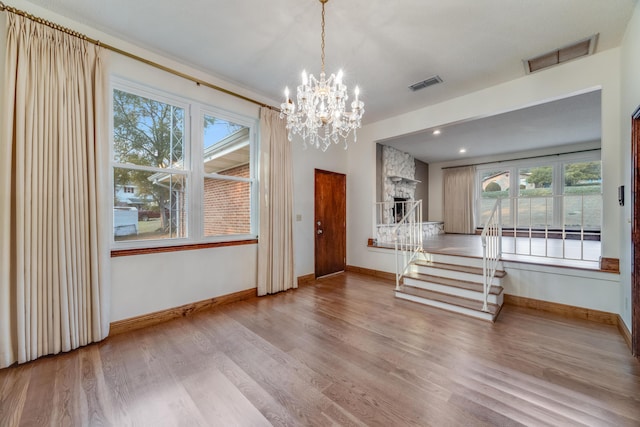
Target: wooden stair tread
[(448, 299), (463, 284), (455, 267)]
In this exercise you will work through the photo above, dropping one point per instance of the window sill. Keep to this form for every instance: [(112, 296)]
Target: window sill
[(145, 251)]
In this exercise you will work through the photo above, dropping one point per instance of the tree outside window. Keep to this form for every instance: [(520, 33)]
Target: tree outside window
[(583, 195), (558, 194), (181, 170), (535, 207), (148, 149), (495, 184)]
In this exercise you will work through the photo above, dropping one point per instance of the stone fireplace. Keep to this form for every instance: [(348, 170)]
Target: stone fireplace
[(399, 184)]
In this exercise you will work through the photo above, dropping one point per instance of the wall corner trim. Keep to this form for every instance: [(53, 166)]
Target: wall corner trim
[(307, 279), (624, 331), (151, 319), (610, 265), (563, 309), (371, 272)]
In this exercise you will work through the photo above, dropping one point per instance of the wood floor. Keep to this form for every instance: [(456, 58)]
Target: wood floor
[(583, 255), (342, 351)]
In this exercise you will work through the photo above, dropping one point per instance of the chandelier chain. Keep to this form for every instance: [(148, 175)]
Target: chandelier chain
[(320, 114), (322, 43)]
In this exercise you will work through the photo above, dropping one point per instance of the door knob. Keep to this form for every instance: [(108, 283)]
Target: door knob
[(319, 231)]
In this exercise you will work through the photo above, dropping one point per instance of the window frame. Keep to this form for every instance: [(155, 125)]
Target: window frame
[(193, 167), (209, 110), (557, 163)]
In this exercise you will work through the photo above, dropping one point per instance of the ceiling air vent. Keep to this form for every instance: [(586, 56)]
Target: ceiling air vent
[(584, 47), (426, 83)]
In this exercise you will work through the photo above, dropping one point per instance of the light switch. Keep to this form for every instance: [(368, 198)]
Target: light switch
[(298, 217)]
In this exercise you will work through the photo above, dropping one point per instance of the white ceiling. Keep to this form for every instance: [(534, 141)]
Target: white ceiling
[(383, 46), (567, 121)]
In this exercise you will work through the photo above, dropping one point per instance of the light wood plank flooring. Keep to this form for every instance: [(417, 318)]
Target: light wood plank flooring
[(342, 351), (584, 255)]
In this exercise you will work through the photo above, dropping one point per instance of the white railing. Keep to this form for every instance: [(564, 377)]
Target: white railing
[(408, 238), (491, 250), (389, 214), (392, 212), (564, 226)]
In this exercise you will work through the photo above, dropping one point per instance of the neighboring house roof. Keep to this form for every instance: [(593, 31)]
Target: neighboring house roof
[(230, 152), (495, 175)]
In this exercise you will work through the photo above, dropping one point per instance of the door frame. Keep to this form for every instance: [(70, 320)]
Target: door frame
[(635, 233), (315, 221)]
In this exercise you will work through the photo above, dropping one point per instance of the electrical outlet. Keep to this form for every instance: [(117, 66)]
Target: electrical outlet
[(298, 217)]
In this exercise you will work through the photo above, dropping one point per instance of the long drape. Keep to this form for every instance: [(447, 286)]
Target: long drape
[(53, 253), (275, 244), (459, 200)]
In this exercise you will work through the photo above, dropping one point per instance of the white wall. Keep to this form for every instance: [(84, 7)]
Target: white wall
[(146, 283), (436, 173), (602, 70), (630, 100), (304, 164), (598, 71), (579, 288)]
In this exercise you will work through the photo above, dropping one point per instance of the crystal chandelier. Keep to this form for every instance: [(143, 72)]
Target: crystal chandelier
[(320, 117)]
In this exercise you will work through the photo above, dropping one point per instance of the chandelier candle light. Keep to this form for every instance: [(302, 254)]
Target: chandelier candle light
[(321, 117)]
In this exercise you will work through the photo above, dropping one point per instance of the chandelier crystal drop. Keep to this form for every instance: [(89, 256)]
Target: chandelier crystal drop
[(321, 117)]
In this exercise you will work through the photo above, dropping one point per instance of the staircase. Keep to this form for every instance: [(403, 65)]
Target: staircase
[(452, 283)]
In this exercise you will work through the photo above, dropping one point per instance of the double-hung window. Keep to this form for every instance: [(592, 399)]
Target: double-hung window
[(182, 171)]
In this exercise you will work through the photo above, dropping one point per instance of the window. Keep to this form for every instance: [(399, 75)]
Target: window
[(535, 204), (173, 184), (494, 184), (553, 193), (583, 194), (227, 177)]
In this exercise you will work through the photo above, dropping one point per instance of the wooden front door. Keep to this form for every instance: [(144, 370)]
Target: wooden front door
[(330, 225)]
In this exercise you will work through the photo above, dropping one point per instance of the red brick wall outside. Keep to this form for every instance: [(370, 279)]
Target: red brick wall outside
[(227, 204)]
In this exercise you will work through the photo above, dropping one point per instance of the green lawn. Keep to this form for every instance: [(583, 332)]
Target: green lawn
[(150, 229)]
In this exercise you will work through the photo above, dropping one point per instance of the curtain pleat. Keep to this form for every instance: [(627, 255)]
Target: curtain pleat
[(54, 270), (459, 200), (275, 243)]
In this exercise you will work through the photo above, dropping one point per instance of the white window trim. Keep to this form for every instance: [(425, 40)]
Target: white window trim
[(193, 169), (556, 161)]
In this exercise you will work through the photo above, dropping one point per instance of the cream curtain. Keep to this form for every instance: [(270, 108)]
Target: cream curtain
[(275, 244), (53, 255), (459, 200)]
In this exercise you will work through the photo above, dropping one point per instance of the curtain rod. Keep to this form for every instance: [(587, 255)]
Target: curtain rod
[(196, 80), (523, 158)]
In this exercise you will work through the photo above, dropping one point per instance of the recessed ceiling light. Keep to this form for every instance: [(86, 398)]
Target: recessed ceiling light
[(436, 132), (462, 150)]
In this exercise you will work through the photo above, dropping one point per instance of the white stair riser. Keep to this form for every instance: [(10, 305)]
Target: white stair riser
[(459, 260), (449, 307), (453, 274), (451, 290)]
